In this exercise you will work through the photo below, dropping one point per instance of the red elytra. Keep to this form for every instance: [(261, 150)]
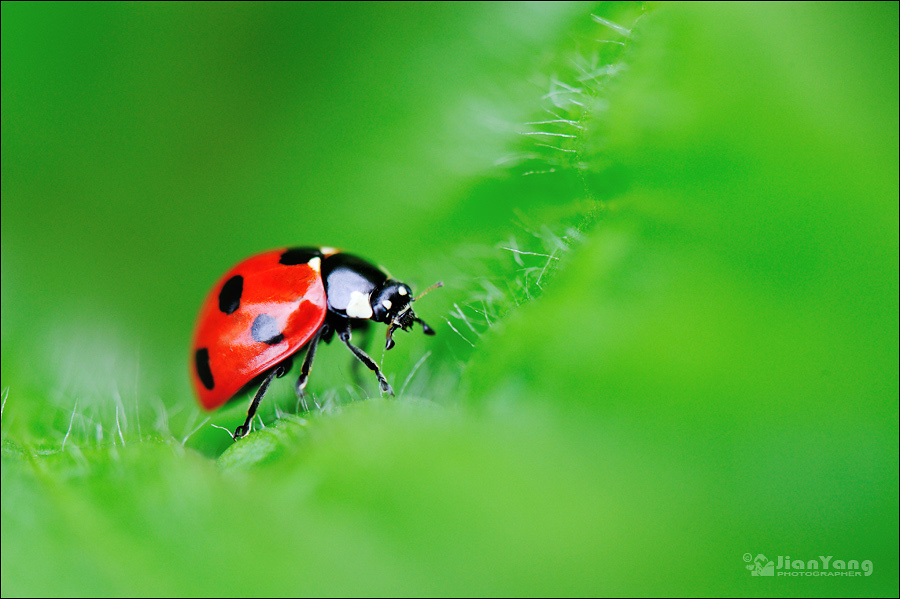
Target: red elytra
[(292, 296), (268, 307)]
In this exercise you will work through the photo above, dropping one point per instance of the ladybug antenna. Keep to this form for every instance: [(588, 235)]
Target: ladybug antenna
[(425, 328), (432, 288)]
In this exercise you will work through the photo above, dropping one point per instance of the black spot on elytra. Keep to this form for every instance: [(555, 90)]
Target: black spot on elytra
[(230, 296), (201, 361), (265, 330), (295, 256)]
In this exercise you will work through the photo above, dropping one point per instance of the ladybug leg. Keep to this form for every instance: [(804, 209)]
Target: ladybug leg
[(285, 366), (344, 335), (243, 429), (365, 331), (308, 360)]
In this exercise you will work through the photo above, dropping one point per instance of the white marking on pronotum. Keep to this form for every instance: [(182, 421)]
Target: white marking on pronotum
[(315, 264), (328, 250), (387, 304), (71, 422), (403, 291), (359, 305)]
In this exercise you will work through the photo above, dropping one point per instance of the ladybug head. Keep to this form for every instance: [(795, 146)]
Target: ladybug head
[(392, 304)]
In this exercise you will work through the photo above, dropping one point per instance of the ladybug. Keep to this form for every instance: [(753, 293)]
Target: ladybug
[(268, 307)]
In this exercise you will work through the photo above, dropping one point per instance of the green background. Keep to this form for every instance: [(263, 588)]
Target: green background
[(694, 358)]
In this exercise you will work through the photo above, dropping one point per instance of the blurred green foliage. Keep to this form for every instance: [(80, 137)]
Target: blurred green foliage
[(694, 358)]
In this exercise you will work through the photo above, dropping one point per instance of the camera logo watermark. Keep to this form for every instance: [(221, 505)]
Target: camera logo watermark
[(821, 566)]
